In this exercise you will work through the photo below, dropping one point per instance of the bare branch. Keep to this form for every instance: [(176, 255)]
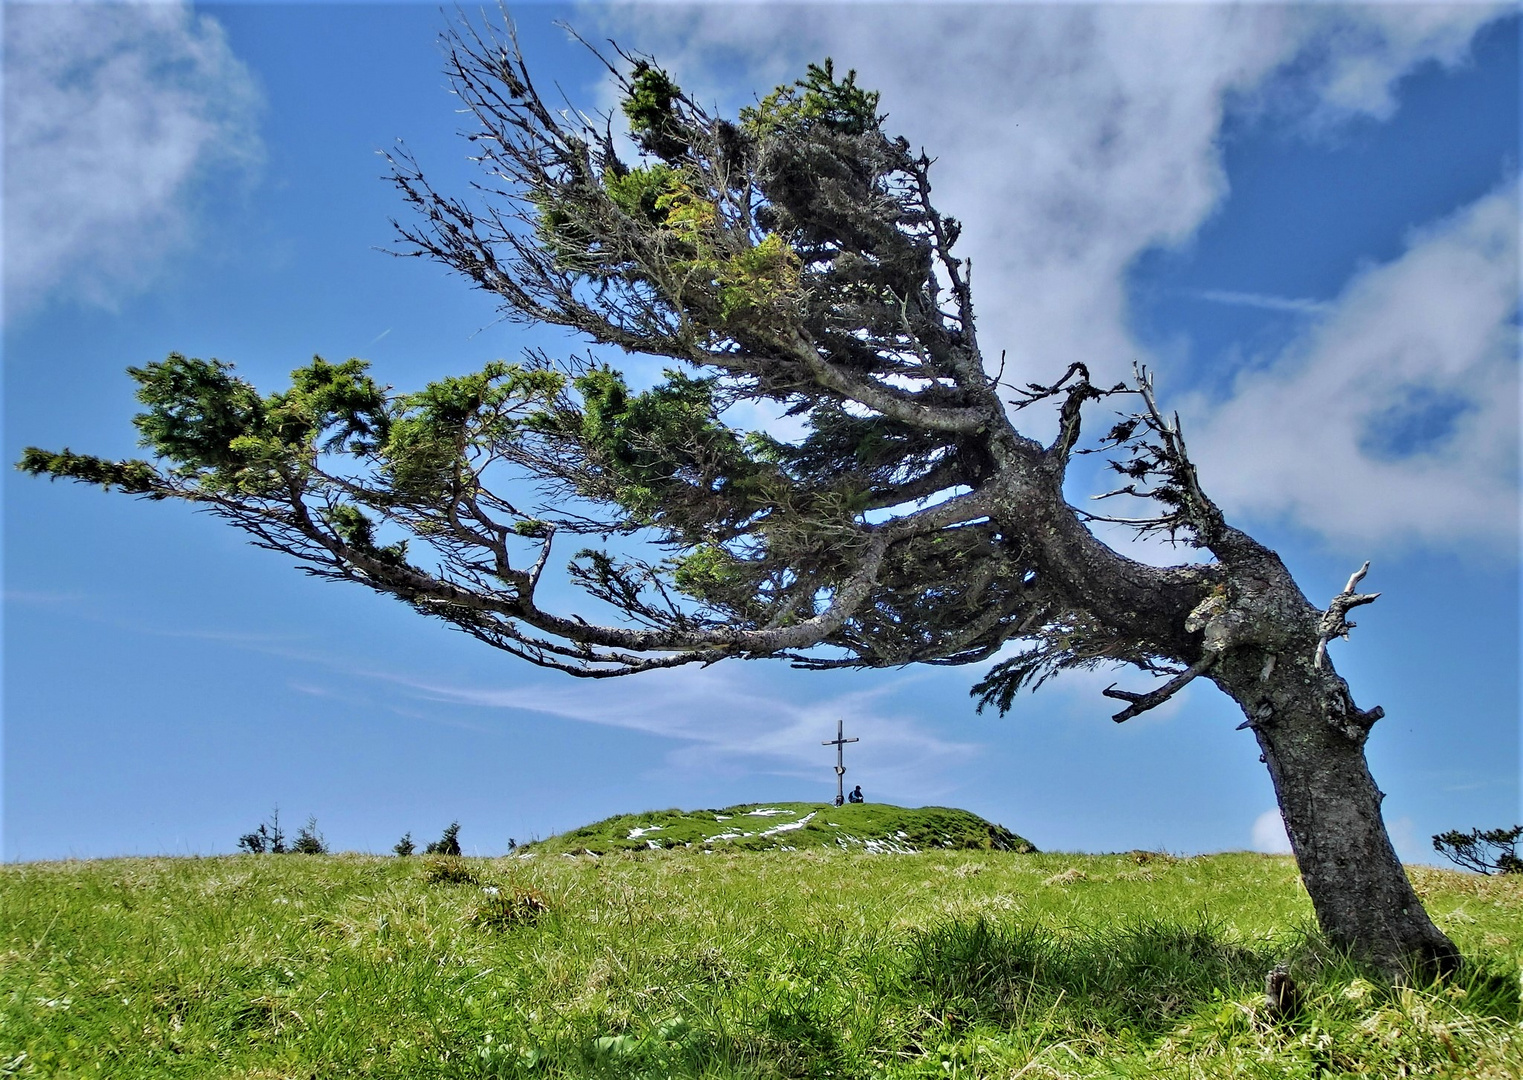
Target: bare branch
[(1141, 703), (1334, 623)]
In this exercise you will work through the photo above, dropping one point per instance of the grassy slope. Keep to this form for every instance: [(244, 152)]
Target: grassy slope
[(685, 964), (875, 827)]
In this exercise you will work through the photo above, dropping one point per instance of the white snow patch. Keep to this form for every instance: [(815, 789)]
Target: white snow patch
[(799, 824), (721, 817), (635, 834), (771, 812)]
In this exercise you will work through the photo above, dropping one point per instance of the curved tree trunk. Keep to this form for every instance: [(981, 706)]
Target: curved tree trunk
[(1263, 643), (1312, 737)]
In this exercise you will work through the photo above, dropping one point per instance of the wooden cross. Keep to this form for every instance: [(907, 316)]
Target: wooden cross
[(839, 743)]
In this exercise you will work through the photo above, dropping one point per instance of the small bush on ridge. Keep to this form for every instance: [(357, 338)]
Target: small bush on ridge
[(309, 841), (448, 844), (266, 839)]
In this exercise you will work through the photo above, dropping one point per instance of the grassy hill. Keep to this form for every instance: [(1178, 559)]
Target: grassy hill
[(820, 962), (878, 828)]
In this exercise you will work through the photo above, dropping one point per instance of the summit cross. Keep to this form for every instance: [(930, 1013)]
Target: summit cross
[(839, 742)]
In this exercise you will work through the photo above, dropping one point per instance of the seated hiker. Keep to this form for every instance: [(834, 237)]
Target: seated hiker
[(856, 794), (839, 800)]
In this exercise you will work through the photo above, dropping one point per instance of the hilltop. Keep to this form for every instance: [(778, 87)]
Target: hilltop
[(873, 827)]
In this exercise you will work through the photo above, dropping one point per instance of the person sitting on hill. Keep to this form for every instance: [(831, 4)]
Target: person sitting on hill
[(839, 800), (856, 794)]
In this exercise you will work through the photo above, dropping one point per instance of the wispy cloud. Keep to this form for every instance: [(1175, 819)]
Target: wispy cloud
[(113, 112), (736, 715), (1259, 300)]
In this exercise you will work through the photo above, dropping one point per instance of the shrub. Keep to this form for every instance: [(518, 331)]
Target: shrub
[(266, 839), (404, 846), (448, 844), (309, 841), (1492, 852), (449, 870), (509, 907)]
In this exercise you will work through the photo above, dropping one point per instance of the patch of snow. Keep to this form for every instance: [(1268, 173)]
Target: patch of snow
[(635, 834), (799, 824), (771, 812), (727, 836), (653, 845), (721, 817)]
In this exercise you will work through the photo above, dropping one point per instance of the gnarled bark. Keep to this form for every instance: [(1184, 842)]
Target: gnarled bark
[(1312, 737)]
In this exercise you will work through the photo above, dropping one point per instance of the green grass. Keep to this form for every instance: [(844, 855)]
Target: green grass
[(681, 963), (878, 828)]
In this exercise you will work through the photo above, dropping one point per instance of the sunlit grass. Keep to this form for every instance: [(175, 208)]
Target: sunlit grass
[(810, 963)]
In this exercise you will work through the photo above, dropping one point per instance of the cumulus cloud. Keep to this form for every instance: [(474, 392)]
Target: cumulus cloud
[(1396, 415), (1269, 834), (113, 112), (1363, 52), (1071, 137)]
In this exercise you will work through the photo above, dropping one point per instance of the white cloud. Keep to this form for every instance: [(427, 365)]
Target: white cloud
[(1269, 834), (112, 114), (1268, 303), (1403, 833), (730, 716), (1371, 47), (1396, 416), (1071, 137)]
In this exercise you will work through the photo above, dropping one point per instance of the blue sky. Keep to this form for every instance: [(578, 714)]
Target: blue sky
[(1304, 217)]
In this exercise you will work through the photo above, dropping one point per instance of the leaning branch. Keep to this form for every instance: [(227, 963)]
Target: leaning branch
[(1141, 703)]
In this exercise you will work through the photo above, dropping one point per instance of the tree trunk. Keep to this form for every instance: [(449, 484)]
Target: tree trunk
[(1312, 737)]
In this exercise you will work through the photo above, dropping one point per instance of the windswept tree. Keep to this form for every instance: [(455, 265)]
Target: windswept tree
[(792, 258)]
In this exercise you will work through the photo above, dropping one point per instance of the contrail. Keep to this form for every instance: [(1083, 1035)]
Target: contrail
[(1258, 300)]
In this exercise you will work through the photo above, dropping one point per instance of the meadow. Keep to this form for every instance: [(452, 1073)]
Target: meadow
[(686, 963)]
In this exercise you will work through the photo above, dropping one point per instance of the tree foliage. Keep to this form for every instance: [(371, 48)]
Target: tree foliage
[(1490, 851), (790, 259)]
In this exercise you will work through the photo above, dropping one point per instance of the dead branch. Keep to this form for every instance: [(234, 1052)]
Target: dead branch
[(1335, 623)]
